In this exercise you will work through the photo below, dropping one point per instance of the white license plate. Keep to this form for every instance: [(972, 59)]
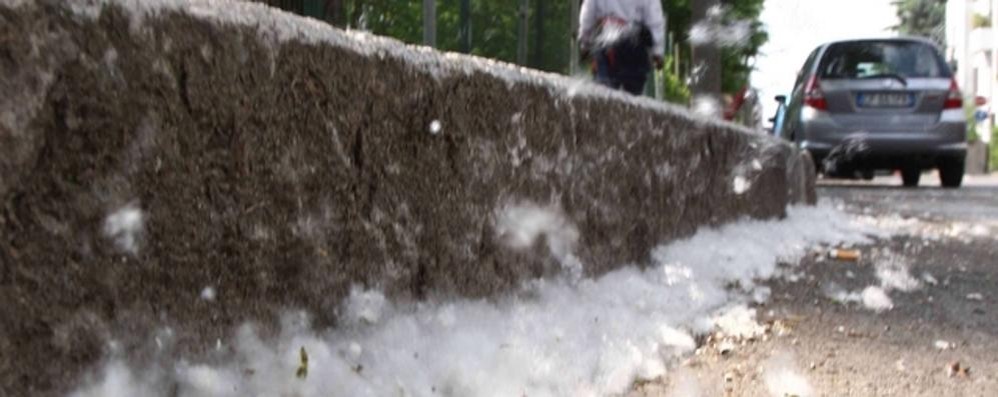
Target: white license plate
[(885, 100)]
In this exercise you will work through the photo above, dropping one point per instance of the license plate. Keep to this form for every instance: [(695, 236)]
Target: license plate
[(885, 100)]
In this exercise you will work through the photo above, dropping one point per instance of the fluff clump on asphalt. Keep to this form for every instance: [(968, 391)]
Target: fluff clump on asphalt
[(876, 299), (365, 306), (554, 337), (685, 384), (892, 271), (738, 322), (783, 379), (872, 297)]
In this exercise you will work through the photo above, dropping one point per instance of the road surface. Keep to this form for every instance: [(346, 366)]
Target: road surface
[(939, 339)]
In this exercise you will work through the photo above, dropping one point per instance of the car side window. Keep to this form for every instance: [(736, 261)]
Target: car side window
[(803, 72), (789, 121)]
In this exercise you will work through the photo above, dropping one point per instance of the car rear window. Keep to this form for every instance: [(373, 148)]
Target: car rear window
[(870, 59)]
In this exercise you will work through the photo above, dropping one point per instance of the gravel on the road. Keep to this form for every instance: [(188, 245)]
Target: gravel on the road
[(937, 336)]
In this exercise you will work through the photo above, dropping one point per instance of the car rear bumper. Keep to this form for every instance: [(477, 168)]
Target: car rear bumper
[(924, 147), (886, 160), (890, 145)]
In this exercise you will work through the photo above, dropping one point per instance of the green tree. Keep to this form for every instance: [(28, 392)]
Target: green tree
[(674, 89), (926, 18), (736, 62), (993, 151), (493, 32)]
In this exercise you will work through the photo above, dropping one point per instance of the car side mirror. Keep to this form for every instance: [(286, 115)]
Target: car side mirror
[(953, 65), (781, 98)]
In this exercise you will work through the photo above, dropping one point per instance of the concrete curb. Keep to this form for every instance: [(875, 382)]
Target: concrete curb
[(148, 154)]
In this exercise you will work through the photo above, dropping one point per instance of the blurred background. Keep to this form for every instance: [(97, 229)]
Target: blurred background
[(754, 51)]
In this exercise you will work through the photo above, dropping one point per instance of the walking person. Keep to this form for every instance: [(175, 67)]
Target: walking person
[(624, 38)]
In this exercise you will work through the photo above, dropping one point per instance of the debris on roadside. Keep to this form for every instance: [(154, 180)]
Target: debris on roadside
[(955, 369), (721, 345), (781, 377), (725, 347), (302, 371), (876, 299), (730, 376), (851, 255), (976, 296), (944, 345), (785, 326), (724, 344), (738, 322), (840, 295)]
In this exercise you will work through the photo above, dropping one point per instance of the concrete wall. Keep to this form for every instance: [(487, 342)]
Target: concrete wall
[(146, 154), (977, 158)]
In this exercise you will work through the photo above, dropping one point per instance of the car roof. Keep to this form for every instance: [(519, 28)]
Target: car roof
[(901, 39)]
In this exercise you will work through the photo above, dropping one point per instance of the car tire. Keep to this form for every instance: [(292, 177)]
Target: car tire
[(951, 172), (910, 176)]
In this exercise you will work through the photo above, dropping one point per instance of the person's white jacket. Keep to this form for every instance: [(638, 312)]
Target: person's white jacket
[(647, 12)]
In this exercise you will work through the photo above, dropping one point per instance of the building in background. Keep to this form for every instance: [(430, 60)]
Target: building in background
[(970, 41), (970, 47)]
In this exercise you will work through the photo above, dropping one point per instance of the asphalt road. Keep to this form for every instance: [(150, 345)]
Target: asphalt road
[(939, 339)]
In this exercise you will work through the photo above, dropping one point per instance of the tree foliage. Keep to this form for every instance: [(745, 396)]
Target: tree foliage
[(993, 151), (493, 27), (926, 18), (673, 88), (736, 62), (494, 23)]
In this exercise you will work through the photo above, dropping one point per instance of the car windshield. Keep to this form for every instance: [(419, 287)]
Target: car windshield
[(872, 59)]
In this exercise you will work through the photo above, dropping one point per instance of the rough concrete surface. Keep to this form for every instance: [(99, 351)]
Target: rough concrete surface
[(281, 172)]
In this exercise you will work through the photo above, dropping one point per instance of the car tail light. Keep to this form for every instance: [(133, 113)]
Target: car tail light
[(813, 96), (954, 100)]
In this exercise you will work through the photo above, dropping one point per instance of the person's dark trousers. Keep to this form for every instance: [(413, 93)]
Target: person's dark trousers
[(623, 66)]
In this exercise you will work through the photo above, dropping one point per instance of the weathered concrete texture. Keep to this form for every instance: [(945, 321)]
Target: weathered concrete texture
[(977, 158), (281, 173)]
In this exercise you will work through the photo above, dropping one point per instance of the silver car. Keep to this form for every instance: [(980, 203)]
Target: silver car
[(866, 105)]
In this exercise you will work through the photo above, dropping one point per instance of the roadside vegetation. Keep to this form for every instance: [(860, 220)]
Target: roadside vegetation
[(993, 151), (491, 29)]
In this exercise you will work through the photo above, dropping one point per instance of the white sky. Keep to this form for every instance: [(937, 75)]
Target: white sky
[(796, 27)]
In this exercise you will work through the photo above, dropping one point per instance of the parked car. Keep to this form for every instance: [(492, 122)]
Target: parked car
[(780, 116), (860, 106)]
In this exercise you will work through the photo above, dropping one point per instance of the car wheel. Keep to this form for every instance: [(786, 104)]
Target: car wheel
[(910, 176), (951, 172)]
